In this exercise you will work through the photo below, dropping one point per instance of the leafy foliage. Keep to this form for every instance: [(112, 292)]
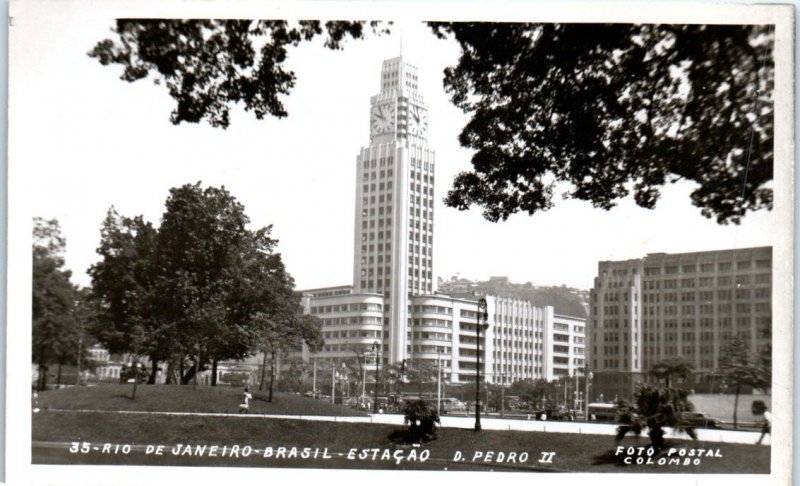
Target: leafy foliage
[(656, 408), (533, 393), (422, 420), (669, 368), (610, 110), (208, 65), (124, 286), (56, 332), (739, 370), (202, 285)]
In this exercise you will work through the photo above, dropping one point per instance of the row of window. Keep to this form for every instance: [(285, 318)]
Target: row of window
[(382, 161), (352, 334), (707, 267), (323, 309), (352, 320), (708, 295)]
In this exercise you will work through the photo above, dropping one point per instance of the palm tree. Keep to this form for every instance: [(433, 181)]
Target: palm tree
[(665, 370)]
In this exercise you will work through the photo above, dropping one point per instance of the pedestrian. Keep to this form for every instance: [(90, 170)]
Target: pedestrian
[(244, 407), (766, 425)]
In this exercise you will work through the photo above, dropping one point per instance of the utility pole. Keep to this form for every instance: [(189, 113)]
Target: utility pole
[(587, 375), (333, 383), (364, 381), (502, 398), (439, 383), (481, 313), (314, 383)]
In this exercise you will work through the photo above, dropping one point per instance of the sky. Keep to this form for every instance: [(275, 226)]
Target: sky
[(90, 140)]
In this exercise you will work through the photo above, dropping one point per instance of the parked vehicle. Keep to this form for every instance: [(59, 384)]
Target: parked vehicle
[(603, 412), (700, 419)]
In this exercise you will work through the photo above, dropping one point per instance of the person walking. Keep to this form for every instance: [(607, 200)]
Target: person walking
[(244, 407), (766, 425)]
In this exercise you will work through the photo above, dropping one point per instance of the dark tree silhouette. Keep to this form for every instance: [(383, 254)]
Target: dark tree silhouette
[(208, 65), (669, 368), (613, 109), (656, 408), (56, 336), (738, 369)]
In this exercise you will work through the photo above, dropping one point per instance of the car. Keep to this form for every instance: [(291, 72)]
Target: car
[(700, 419)]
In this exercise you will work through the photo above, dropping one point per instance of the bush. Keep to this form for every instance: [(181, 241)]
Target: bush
[(656, 408), (422, 420)]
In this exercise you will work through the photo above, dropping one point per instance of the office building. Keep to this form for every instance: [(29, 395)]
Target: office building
[(676, 306)]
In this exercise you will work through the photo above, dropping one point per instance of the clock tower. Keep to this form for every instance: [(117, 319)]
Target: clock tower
[(394, 204)]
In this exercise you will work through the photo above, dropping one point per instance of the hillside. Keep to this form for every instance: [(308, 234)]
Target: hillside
[(565, 300)]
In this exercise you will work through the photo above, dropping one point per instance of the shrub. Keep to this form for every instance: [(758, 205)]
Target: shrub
[(422, 420), (656, 408)]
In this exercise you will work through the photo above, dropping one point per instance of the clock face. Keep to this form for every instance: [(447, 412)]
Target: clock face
[(382, 119), (418, 120)]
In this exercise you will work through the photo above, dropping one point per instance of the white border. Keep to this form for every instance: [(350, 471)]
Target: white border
[(18, 468)]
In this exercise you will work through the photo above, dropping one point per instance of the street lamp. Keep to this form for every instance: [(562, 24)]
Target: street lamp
[(375, 349), (481, 313), (588, 375)]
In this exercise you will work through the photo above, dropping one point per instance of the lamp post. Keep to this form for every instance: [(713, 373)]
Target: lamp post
[(588, 376), (481, 313), (333, 382), (375, 349)]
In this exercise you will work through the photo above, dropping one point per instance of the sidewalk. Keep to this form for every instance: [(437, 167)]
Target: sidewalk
[(468, 422)]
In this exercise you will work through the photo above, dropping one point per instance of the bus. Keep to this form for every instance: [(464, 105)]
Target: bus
[(603, 412)]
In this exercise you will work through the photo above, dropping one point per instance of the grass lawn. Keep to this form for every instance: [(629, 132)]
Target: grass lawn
[(173, 398), (573, 452)]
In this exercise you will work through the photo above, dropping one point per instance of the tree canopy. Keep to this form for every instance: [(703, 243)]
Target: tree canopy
[(208, 65), (201, 285), (56, 332), (594, 112), (672, 367), (609, 110)]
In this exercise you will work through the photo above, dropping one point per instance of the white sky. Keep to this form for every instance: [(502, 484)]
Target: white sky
[(94, 141)]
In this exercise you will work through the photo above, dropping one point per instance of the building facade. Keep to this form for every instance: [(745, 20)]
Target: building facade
[(670, 306), (392, 304), (393, 242)]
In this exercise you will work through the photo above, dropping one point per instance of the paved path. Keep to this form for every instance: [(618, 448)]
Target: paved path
[(468, 422)]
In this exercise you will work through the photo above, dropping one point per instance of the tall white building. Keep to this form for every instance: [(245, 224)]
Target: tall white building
[(392, 301), (394, 202)]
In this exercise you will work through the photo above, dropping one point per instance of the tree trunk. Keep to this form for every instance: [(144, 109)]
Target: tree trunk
[(736, 407), (151, 380), (184, 380), (214, 363), (263, 371), (42, 385), (135, 383), (196, 369), (58, 376), (271, 375)]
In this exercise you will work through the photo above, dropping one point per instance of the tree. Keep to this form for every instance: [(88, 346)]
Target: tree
[(56, 337), (737, 368), (421, 373), (613, 109), (656, 408), (208, 65), (422, 419), (669, 368), (201, 286), (286, 333), (202, 241), (532, 392), (125, 288)]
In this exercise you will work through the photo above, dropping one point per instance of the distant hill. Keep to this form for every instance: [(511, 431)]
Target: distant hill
[(565, 300)]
